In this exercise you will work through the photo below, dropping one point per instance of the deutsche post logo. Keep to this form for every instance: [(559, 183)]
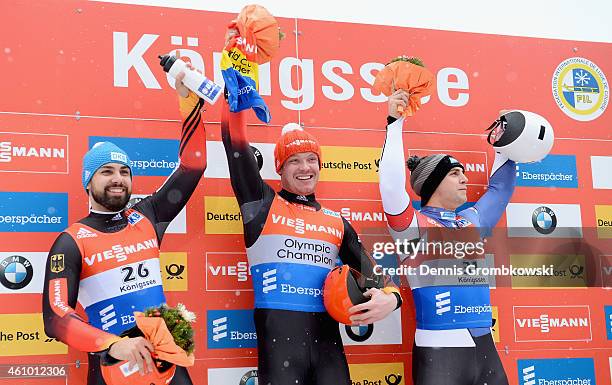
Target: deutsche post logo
[(580, 89), (57, 263)]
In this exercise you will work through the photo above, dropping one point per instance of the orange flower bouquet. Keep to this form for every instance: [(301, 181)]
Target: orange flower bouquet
[(408, 74)]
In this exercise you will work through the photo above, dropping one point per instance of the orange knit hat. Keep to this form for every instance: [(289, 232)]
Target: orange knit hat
[(294, 140)]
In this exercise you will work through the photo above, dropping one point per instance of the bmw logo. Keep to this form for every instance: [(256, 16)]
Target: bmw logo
[(15, 272), (544, 220), (359, 333), (249, 378)]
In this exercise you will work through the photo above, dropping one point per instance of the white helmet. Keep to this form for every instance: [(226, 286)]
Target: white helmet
[(522, 136)]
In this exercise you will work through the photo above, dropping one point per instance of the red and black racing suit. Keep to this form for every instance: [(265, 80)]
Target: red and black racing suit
[(110, 261)]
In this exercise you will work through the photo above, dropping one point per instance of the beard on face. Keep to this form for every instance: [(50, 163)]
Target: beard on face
[(111, 203)]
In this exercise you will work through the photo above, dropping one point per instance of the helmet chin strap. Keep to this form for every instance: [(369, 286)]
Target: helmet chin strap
[(501, 122)]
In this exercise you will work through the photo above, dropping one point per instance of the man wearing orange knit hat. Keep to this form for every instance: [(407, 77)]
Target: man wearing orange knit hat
[(292, 243)]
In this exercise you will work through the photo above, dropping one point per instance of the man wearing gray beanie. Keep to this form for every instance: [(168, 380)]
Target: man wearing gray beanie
[(109, 260), (451, 347)]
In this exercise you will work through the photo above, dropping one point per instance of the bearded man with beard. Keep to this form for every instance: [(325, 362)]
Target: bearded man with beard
[(109, 260)]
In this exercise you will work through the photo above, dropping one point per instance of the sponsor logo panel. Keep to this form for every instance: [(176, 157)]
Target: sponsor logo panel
[(496, 326), (556, 371), (33, 153), (544, 220), (350, 164), (230, 329), (552, 323), (22, 272), (175, 275), (24, 335), (217, 160), (33, 212), (233, 376), (608, 321), (580, 89), (228, 272), (222, 216), (387, 331), (605, 263), (603, 216), (568, 270), (178, 224), (391, 373), (552, 171), (149, 157), (600, 172)]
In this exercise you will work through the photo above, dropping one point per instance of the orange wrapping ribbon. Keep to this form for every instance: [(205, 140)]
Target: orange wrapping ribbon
[(156, 331), (414, 79), (257, 26)]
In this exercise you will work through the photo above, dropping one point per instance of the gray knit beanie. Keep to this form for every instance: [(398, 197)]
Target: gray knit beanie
[(427, 173)]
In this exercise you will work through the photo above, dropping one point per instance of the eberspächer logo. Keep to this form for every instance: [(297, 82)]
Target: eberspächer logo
[(580, 89)]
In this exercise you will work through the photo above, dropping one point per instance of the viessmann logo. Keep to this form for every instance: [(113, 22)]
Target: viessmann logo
[(300, 226), (227, 271), (121, 252), (33, 153), (552, 323)]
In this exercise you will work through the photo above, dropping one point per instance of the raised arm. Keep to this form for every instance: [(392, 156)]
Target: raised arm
[(246, 182), (392, 172), (165, 204)]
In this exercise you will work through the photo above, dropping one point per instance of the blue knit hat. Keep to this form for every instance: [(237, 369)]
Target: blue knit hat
[(100, 154)]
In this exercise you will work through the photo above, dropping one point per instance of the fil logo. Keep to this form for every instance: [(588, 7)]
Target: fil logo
[(529, 375), (443, 301), (84, 233), (107, 317), (269, 281), (219, 328)]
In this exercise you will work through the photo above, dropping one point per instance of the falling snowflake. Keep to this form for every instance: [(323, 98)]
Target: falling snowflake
[(582, 78)]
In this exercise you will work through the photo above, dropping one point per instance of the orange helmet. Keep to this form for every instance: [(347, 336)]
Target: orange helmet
[(342, 291), (121, 374)]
